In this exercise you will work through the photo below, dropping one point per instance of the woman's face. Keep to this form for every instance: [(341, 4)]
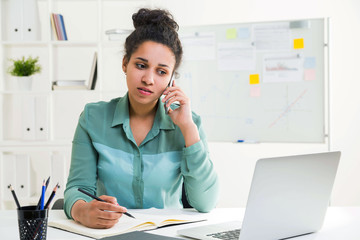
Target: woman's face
[(148, 72)]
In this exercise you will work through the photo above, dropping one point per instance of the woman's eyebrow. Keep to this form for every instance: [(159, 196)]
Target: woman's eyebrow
[(163, 65), (142, 59), (145, 60)]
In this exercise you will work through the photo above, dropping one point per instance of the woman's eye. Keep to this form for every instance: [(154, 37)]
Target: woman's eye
[(140, 65), (162, 72)]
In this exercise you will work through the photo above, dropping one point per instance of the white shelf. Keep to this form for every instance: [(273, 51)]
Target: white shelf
[(68, 43), (18, 92), (24, 43), (70, 59), (46, 43), (31, 146)]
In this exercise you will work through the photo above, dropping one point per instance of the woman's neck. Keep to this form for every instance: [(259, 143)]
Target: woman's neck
[(141, 110)]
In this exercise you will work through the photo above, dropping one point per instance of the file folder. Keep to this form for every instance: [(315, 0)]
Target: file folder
[(28, 117), (8, 175), (41, 118), (15, 29), (22, 176), (31, 21)]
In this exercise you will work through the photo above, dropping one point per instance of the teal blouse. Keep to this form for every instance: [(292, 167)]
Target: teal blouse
[(107, 161)]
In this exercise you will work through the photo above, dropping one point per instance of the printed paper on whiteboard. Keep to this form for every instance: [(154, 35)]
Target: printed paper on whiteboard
[(198, 46), (236, 56), (282, 68), (272, 36)]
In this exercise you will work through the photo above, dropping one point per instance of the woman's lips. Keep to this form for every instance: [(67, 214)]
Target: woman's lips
[(145, 91)]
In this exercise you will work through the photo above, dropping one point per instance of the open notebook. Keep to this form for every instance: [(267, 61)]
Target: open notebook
[(126, 224)]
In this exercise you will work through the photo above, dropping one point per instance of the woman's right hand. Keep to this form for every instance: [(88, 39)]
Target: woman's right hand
[(97, 214)]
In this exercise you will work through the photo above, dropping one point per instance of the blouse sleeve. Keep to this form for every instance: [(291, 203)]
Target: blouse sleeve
[(83, 171), (200, 178)]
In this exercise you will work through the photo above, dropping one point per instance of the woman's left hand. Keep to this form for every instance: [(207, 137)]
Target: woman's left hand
[(182, 115)]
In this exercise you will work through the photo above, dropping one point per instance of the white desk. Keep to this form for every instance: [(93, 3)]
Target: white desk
[(341, 223)]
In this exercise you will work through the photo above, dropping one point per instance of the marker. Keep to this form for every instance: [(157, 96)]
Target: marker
[(247, 141)]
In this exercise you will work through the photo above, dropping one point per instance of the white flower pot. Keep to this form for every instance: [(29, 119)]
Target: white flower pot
[(25, 83)]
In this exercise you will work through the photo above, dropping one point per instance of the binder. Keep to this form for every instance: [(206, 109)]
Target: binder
[(28, 117), (24, 22), (22, 176), (41, 118), (8, 174), (31, 21), (58, 172), (15, 29)]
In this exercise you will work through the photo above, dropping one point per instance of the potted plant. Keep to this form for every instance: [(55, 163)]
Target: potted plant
[(24, 69)]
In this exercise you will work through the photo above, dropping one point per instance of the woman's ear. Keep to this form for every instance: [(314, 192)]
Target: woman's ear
[(124, 64)]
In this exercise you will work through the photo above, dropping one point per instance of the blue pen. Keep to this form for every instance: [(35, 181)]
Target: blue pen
[(46, 185), (42, 196)]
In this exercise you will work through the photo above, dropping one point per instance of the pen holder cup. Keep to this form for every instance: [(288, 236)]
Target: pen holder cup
[(32, 223)]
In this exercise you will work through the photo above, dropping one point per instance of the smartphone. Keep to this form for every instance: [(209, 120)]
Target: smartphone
[(170, 85)]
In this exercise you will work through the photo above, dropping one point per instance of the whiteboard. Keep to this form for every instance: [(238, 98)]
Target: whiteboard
[(261, 82)]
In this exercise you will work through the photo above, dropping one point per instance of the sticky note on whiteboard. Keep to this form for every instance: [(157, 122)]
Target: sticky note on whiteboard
[(255, 91), (310, 62), (231, 33), (298, 43), (254, 79), (309, 74), (243, 33)]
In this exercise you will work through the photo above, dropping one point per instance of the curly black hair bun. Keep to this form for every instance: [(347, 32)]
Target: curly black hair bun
[(160, 18), (155, 25)]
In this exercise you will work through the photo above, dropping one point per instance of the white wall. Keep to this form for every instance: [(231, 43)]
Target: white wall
[(235, 162)]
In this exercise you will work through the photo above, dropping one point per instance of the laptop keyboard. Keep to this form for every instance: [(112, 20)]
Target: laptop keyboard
[(228, 235)]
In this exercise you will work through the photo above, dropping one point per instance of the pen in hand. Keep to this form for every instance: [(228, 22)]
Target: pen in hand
[(99, 199)]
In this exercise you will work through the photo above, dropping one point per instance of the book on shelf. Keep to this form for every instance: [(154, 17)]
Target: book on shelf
[(62, 24), (93, 73), (126, 224), (53, 27), (58, 26), (54, 87), (68, 84)]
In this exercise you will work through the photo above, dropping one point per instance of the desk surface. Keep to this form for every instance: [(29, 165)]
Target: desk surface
[(340, 223)]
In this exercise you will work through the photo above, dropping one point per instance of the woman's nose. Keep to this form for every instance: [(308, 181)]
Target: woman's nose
[(148, 78)]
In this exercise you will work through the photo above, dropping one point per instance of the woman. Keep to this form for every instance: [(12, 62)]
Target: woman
[(129, 150)]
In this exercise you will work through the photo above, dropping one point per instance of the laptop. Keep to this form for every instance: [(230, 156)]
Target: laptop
[(288, 197)]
